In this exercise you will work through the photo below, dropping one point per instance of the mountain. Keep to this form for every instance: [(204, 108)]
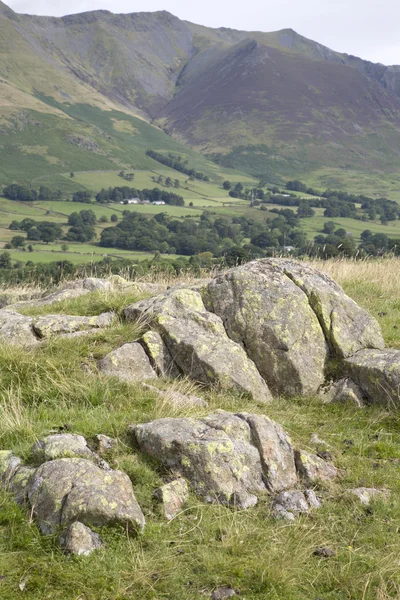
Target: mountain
[(93, 91)]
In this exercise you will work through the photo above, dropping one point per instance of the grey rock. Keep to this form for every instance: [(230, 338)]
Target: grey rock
[(19, 483), (270, 316), (50, 325), (173, 496), (104, 443), (313, 469), (9, 463), (226, 458), (65, 490), (198, 343), (344, 391), (312, 499), (366, 495), (223, 592), (159, 355), (289, 504), (324, 552), (377, 373), (16, 329), (80, 540), (129, 363)]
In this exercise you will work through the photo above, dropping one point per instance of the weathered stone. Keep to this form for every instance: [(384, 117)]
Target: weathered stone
[(312, 499), (159, 355), (215, 453), (69, 489), (175, 398), (80, 540), (242, 501), (198, 342), (19, 483), (223, 592), (269, 315), (16, 329), (343, 391), (289, 504), (105, 443), (276, 452), (62, 445), (347, 327), (173, 496), (9, 463), (313, 469), (377, 373), (60, 324), (366, 495), (129, 363)]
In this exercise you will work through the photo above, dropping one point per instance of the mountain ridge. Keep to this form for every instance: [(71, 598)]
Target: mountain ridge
[(216, 89)]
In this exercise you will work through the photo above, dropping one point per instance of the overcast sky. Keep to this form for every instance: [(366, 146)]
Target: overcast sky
[(366, 28)]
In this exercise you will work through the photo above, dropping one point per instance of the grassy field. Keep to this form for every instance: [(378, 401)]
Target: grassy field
[(206, 545)]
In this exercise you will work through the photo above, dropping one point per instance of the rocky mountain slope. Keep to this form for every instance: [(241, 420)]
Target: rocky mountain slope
[(274, 104)]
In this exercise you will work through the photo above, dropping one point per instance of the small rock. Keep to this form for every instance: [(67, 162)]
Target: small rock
[(80, 540), (172, 496), (63, 445), (324, 552), (312, 499), (128, 363), (242, 500), (366, 495), (343, 391), (289, 504), (104, 443), (313, 469), (223, 592)]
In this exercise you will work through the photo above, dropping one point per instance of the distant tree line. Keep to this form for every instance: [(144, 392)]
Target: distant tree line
[(119, 194), (26, 194), (176, 163)]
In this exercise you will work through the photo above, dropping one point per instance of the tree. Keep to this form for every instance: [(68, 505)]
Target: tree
[(329, 227), (18, 241), (227, 185), (64, 247), (114, 218), (5, 260), (82, 196), (30, 248), (72, 175), (103, 219), (305, 211)]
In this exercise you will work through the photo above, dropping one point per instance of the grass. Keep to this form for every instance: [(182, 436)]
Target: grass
[(205, 546)]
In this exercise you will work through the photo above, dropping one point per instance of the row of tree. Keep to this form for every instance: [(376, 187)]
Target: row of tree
[(176, 163), (119, 194)]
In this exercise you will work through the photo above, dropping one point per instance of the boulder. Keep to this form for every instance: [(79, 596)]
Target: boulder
[(225, 457), (16, 329), (366, 495), (65, 490), (50, 325), (159, 355), (377, 373), (198, 343), (265, 312), (80, 540), (9, 463), (129, 363), (313, 469), (172, 496)]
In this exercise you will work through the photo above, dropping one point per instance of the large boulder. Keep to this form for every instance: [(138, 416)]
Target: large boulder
[(129, 363), (290, 318), (198, 343), (265, 312), (50, 325), (377, 373), (220, 456), (16, 329), (66, 490)]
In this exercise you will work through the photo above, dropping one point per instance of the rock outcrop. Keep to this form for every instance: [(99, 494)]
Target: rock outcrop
[(16, 329), (50, 325), (197, 341)]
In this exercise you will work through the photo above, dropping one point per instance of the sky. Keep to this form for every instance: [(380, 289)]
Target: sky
[(365, 28)]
